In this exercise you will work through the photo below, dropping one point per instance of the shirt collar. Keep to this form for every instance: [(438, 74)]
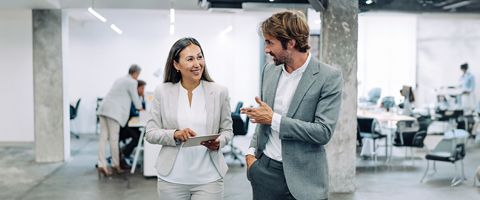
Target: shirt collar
[(196, 90), (299, 70)]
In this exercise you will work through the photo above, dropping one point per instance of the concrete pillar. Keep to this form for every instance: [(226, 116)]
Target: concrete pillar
[(338, 48), (51, 121)]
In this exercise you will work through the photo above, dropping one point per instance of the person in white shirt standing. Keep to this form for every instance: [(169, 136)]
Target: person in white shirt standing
[(467, 81), (114, 113), (287, 158), (186, 105)]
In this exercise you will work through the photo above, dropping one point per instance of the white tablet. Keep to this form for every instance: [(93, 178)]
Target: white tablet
[(195, 141)]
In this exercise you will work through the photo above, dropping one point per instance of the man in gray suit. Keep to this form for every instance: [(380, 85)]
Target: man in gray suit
[(287, 158)]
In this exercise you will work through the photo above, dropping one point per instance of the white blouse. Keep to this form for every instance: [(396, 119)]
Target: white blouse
[(193, 165)]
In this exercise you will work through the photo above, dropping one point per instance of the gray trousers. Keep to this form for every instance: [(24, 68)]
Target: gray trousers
[(268, 180)]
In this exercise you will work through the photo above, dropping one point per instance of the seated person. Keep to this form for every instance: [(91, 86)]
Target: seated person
[(132, 132), (409, 98), (442, 103)]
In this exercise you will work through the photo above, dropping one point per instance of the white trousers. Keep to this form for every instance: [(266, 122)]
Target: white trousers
[(468, 103), (109, 131), (174, 191)]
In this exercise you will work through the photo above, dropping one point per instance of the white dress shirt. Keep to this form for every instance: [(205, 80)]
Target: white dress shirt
[(287, 85), (193, 164)]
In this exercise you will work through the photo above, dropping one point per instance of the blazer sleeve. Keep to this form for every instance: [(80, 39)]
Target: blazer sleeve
[(225, 127), (155, 131), (326, 115), (133, 93)]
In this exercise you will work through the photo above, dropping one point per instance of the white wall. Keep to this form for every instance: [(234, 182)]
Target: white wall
[(98, 55), (16, 76), (386, 52), (444, 42)]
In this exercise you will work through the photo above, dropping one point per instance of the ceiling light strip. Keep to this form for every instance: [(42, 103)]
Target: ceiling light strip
[(116, 29), (96, 14)]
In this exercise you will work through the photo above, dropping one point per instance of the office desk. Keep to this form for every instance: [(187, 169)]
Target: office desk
[(387, 122), (150, 151), (388, 117)]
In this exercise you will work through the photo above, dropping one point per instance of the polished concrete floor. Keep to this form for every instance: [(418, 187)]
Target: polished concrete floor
[(22, 178)]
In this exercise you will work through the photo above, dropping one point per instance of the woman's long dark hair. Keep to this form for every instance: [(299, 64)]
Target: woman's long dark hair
[(171, 74)]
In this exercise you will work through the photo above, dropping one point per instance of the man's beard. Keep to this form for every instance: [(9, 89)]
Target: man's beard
[(279, 60)]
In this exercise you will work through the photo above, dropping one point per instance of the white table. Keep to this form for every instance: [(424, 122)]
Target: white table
[(387, 122)]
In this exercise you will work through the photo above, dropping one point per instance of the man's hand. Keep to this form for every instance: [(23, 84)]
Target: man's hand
[(250, 159), (261, 115), (213, 145), (184, 134)]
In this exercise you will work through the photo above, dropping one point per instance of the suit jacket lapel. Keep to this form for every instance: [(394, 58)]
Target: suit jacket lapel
[(272, 83), (305, 83), (209, 106)]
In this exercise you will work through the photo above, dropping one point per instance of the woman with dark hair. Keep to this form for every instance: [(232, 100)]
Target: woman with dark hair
[(186, 105)]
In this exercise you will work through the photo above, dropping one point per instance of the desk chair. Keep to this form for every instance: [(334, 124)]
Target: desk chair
[(388, 102), (367, 129), (73, 115), (240, 127), (449, 149), (238, 107), (408, 135)]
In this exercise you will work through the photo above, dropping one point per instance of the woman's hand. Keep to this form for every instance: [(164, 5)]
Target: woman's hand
[(184, 134), (213, 145)]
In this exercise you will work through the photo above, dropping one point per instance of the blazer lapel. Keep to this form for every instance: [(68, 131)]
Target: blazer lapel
[(209, 106), (173, 93), (272, 83), (305, 83)]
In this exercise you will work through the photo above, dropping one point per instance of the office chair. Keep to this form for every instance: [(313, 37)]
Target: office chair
[(374, 94), (408, 135), (388, 102), (367, 129), (73, 115), (240, 127), (449, 149), (238, 107)]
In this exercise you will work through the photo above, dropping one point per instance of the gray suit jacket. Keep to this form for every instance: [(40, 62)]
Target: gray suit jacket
[(118, 101), (308, 126), (163, 123)]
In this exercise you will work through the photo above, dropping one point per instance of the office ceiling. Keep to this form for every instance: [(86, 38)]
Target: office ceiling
[(113, 4), (460, 6)]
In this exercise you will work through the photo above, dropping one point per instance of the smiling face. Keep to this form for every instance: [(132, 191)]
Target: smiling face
[(191, 63), (274, 47)]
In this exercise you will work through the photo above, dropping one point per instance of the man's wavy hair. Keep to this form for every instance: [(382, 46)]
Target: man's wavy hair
[(286, 26)]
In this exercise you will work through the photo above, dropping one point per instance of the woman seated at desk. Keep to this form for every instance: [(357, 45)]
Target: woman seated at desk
[(442, 103)]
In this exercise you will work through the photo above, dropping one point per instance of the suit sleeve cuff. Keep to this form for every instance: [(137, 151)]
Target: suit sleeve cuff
[(276, 119), (251, 151)]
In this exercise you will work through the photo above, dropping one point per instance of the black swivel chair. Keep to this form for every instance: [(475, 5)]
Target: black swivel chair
[(408, 134), (73, 115), (240, 127), (367, 129)]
